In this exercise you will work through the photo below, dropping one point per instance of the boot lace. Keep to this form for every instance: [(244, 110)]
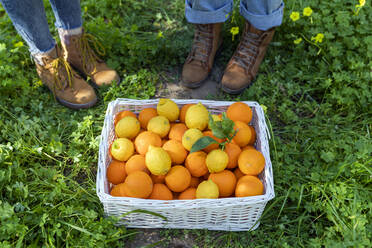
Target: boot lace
[(202, 44), (89, 55), (61, 70), (248, 50)]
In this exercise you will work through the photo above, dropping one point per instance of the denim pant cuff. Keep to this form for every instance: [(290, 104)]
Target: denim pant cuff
[(206, 17), (263, 22), (63, 26), (35, 51)]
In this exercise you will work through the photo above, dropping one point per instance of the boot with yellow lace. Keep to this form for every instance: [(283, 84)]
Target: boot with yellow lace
[(78, 52), (67, 86)]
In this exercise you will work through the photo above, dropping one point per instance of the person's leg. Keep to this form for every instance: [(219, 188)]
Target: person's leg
[(207, 11), (75, 43), (29, 19), (67, 13), (208, 16), (262, 16)]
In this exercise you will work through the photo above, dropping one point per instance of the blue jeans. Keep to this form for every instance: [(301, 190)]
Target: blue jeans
[(262, 14), (29, 19)]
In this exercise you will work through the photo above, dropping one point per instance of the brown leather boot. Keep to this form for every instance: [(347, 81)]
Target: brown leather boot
[(67, 86), (80, 55), (199, 63), (243, 66)]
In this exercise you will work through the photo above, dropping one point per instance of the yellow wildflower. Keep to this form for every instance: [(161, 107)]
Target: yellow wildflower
[(318, 38), (307, 11), (359, 6), (295, 16), (297, 41), (160, 35), (234, 31), (18, 44)]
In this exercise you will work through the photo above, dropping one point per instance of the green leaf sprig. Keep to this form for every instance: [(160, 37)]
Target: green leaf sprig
[(221, 129)]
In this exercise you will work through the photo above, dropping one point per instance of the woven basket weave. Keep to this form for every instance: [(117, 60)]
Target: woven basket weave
[(230, 214)]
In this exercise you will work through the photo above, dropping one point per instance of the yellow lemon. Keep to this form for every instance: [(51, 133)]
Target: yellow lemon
[(158, 161), (159, 125), (168, 109), (207, 189), (197, 117), (215, 118), (128, 127), (122, 149), (190, 137), (217, 161)]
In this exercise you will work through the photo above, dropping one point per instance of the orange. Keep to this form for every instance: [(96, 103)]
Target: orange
[(118, 190), (144, 139), (226, 182), (238, 173), (212, 146), (116, 172), (248, 147), (122, 114), (136, 163), (184, 110), (158, 179), (188, 194), (195, 163), (249, 186), (233, 151), (178, 178), (145, 116), (251, 162), (244, 134), (239, 111), (194, 182), (253, 137), (176, 151), (161, 192), (176, 131), (138, 184)]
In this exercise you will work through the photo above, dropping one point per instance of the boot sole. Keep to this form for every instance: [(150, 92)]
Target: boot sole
[(76, 106), (195, 85), (200, 83), (235, 92)]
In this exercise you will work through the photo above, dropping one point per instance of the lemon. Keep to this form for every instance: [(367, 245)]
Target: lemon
[(159, 125), (158, 161), (217, 160), (168, 109), (122, 149), (197, 117), (190, 137), (215, 118), (207, 189), (128, 127)]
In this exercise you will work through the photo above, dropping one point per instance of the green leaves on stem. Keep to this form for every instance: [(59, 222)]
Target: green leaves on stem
[(221, 129)]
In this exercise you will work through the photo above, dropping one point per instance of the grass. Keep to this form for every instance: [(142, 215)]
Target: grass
[(318, 103)]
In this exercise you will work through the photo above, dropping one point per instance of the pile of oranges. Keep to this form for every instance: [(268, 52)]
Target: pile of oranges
[(151, 156)]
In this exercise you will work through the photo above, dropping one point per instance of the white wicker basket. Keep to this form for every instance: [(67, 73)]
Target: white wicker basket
[(230, 214)]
